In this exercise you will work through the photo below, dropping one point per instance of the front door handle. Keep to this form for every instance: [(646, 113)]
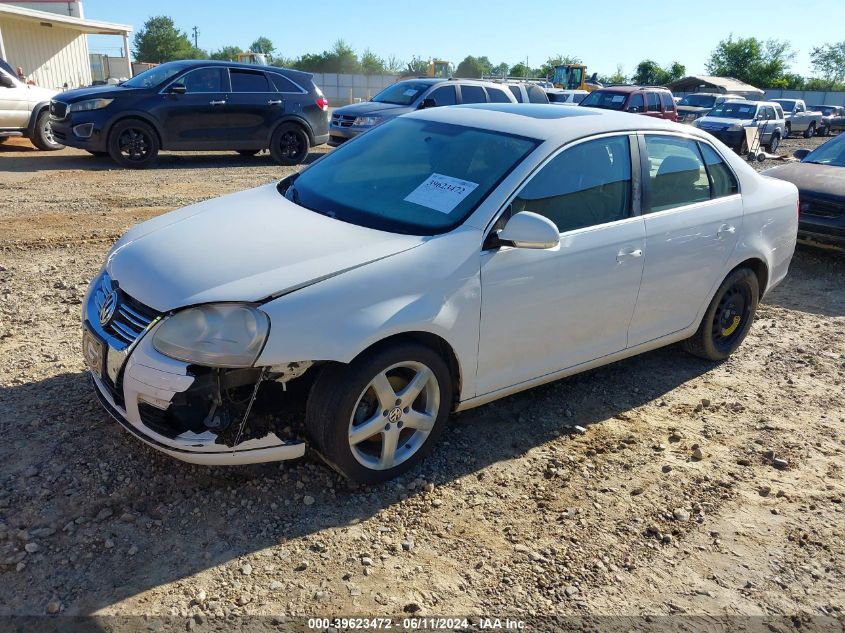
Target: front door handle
[(274, 102), (621, 256), (217, 102), (725, 229)]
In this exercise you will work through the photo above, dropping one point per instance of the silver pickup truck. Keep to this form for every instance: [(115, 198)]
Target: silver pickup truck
[(798, 118)]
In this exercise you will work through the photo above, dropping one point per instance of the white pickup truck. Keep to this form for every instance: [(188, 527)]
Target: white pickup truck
[(798, 118)]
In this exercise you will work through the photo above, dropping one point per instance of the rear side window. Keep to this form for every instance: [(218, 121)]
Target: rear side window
[(537, 95), (249, 81), (473, 94), (517, 93), (497, 96), (722, 180), (676, 171), (586, 185), (653, 102), (283, 84), (636, 103), (444, 96), (668, 102)]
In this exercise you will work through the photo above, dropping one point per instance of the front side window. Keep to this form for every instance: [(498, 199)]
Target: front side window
[(585, 185), (444, 96), (410, 176), (497, 96), (537, 95), (676, 172), (516, 93), (473, 94), (202, 80), (653, 102), (249, 81)]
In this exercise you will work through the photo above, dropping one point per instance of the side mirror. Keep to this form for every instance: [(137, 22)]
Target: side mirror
[(6, 82), (801, 154), (530, 230), (177, 89), (428, 102)]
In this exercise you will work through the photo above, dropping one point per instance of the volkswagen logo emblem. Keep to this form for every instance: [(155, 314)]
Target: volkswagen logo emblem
[(395, 414), (108, 308)]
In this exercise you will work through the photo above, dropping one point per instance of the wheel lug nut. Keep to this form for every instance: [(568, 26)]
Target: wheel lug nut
[(399, 424), (387, 426), (406, 409), (398, 402), (384, 413)]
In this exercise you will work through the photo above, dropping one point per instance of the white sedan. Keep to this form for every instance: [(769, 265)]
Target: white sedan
[(443, 260)]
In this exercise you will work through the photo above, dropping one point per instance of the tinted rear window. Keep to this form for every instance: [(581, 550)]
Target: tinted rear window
[(283, 84), (249, 81), (537, 95), (517, 93), (497, 96), (473, 94)]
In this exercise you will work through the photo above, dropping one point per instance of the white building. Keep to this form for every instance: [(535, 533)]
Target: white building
[(48, 40)]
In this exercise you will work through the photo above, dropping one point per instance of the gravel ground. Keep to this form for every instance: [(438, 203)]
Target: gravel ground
[(662, 484)]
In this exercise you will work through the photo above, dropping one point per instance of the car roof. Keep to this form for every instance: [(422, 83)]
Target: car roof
[(190, 63), (547, 121), (630, 88)]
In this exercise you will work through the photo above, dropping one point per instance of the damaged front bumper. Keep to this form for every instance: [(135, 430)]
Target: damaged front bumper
[(168, 404)]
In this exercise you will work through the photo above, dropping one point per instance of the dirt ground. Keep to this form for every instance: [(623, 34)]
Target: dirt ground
[(647, 487)]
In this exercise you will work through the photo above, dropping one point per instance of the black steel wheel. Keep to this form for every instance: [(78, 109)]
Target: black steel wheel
[(289, 145), (728, 317), (133, 143)]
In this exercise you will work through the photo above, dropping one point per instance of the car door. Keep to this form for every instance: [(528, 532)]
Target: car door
[(253, 108), (547, 310), (193, 111), (693, 214), (653, 105), (443, 96), (15, 106), (470, 93)]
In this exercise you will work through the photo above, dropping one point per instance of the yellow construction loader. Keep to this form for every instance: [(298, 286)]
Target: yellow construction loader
[(574, 77)]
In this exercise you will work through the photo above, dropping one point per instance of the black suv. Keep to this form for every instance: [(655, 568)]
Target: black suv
[(195, 105)]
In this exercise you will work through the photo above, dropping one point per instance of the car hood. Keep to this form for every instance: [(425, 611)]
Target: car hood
[(92, 92), (36, 93), (247, 246), (373, 107), (692, 109), (719, 123), (811, 178)]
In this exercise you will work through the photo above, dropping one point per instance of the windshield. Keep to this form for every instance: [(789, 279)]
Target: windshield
[(410, 176), (698, 101), (154, 76), (605, 99), (728, 110), (404, 93), (831, 153)]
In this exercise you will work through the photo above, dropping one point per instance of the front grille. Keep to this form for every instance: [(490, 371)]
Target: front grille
[(130, 318), (343, 120), (822, 208), (58, 109)]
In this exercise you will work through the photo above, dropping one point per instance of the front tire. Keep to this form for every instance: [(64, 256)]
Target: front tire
[(377, 417), (728, 318), (289, 145), (133, 144), (43, 138), (787, 130), (810, 132)]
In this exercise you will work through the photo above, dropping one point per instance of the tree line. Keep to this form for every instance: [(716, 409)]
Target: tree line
[(764, 64)]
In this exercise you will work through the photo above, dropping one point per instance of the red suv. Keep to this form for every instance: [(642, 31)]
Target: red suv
[(656, 102)]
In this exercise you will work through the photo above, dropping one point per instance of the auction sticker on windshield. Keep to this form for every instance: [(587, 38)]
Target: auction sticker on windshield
[(441, 193)]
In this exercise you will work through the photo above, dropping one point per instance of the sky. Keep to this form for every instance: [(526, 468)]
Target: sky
[(603, 33)]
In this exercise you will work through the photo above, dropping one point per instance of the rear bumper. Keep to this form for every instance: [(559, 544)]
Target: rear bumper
[(828, 233)]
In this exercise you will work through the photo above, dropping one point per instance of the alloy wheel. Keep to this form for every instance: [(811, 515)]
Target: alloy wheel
[(394, 415), (291, 144), (134, 144)]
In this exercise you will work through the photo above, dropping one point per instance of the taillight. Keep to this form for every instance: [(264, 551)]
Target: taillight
[(323, 103)]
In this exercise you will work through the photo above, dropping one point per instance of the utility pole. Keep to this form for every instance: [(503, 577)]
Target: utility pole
[(196, 36)]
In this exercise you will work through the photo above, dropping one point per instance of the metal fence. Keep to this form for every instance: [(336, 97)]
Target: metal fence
[(341, 89), (810, 97)]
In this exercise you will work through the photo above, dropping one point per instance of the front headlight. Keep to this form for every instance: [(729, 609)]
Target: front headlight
[(366, 121), (90, 104), (216, 335)]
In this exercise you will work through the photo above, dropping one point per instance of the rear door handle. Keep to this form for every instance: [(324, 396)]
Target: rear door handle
[(274, 102), (217, 102), (622, 255), (725, 229)]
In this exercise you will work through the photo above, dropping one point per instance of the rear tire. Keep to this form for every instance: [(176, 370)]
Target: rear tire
[(43, 137), (774, 143), (359, 422), (289, 145), (728, 317), (133, 144)]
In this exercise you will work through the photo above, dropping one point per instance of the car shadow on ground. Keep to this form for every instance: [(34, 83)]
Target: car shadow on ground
[(65, 465), (815, 282), (20, 158)]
